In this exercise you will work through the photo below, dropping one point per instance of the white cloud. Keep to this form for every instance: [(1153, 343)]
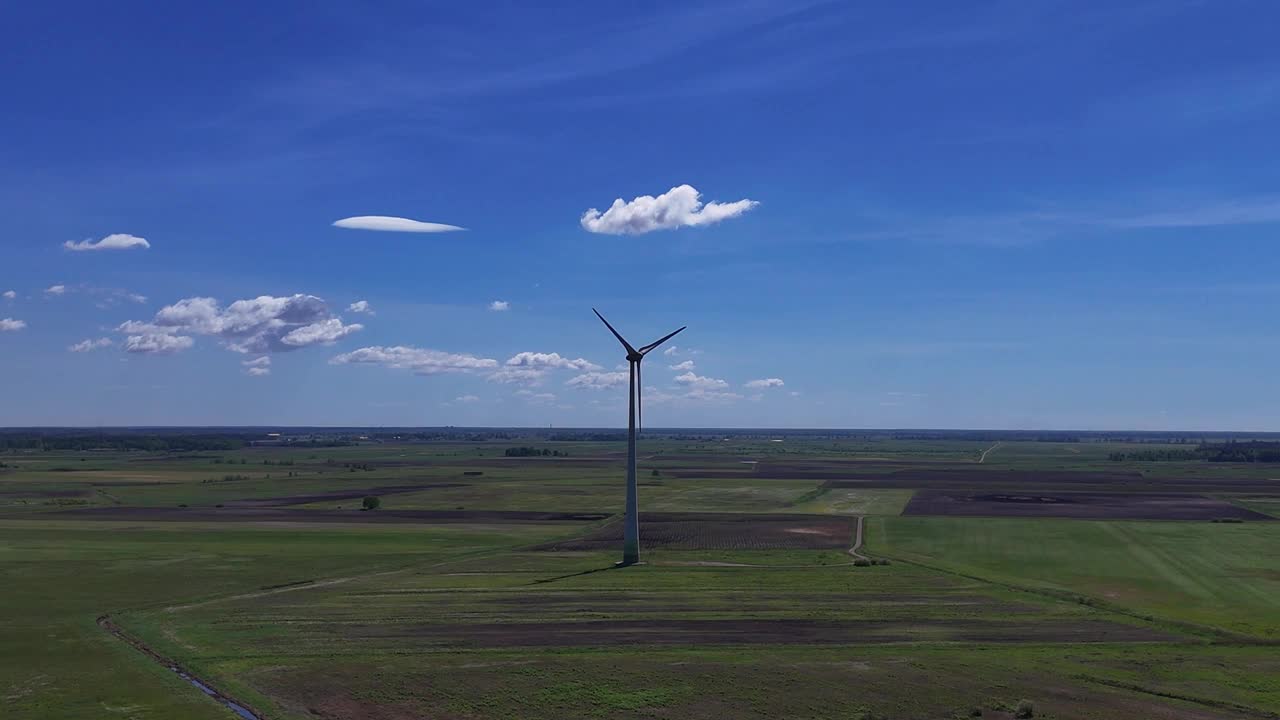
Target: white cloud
[(672, 351), (531, 368), (361, 306), (794, 393), (11, 325), (324, 332), (678, 207), (157, 343), (467, 399), (387, 223), (89, 345), (421, 361), (116, 241), (599, 380), (258, 325), (765, 383), (257, 367), (55, 289), (683, 366), (10, 294), (541, 398), (549, 360), (700, 382), (499, 306)]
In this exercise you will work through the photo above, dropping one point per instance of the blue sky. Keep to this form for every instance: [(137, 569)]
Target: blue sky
[(1021, 214)]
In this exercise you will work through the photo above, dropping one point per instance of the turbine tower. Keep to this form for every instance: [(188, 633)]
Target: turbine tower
[(631, 526)]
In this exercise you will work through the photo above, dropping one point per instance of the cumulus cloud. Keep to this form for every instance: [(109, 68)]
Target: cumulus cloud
[(157, 343), (549, 360), (679, 207), (765, 383), (686, 366), (701, 382), (55, 289), (499, 306), (385, 223), (10, 294), (531, 368), (599, 380), (11, 325), (361, 306), (90, 345), (420, 360), (116, 241), (259, 325)]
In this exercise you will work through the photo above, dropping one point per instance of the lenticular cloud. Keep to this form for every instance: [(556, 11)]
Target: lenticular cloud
[(678, 207), (386, 223)]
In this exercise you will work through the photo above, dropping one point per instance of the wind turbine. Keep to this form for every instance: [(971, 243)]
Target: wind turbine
[(631, 523)]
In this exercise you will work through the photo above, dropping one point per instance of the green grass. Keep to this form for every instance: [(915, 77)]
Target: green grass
[(1222, 575)]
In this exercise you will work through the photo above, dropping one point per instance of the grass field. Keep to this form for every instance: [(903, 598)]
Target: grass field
[(484, 586)]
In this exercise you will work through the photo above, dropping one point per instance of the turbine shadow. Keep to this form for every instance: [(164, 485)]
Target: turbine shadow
[(574, 575)]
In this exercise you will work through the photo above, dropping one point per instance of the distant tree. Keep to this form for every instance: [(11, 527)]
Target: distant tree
[(371, 503), (1025, 710), (655, 473)]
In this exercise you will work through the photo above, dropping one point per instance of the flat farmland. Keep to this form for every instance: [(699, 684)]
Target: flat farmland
[(485, 585)]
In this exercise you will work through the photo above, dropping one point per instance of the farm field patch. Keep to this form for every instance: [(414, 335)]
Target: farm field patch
[(1098, 506)]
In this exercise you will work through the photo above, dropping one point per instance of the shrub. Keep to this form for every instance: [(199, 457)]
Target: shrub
[(371, 503), (862, 562), (1024, 710)]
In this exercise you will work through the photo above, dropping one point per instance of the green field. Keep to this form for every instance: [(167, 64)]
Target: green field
[(456, 598)]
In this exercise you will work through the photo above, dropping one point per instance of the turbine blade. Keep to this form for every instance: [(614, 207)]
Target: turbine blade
[(644, 350), (625, 344)]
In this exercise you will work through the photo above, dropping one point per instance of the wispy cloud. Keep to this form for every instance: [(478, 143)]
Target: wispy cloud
[(681, 206), (11, 325), (90, 345), (157, 343), (1243, 211), (419, 360), (499, 306), (598, 380), (765, 383), (361, 306), (116, 241), (258, 366), (9, 294), (684, 366), (386, 223), (55, 290)]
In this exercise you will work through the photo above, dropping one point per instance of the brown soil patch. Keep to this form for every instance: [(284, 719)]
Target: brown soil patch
[(1126, 506), (345, 494), (722, 531), (256, 514), (752, 632)]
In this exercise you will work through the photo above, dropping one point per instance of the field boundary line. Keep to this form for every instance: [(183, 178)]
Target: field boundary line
[(1207, 702), (235, 705)]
